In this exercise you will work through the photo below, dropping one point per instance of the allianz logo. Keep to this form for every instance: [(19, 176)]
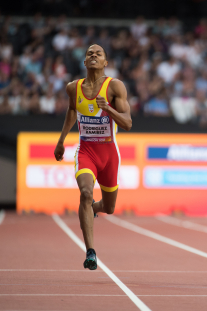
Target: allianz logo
[(187, 153)]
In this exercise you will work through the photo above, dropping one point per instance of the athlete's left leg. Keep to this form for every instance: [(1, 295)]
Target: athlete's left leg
[(86, 183), (107, 203)]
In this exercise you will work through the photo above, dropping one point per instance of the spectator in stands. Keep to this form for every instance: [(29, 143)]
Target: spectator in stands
[(173, 27), (193, 51), (6, 49), (25, 102), (160, 27), (139, 28), (157, 106), (111, 70), (59, 68), (31, 82), (5, 67), (60, 41), (143, 93), (104, 40), (34, 65), (61, 103), (201, 29), (37, 21), (34, 104), (5, 107), (4, 83), (62, 23), (47, 102), (178, 48), (167, 70), (37, 59), (79, 50), (184, 106), (25, 58), (201, 108), (90, 36), (201, 81), (134, 104)]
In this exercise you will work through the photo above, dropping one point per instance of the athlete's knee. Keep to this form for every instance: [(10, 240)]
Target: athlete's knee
[(86, 195)]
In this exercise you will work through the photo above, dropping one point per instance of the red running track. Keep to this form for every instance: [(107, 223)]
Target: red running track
[(41, 268)]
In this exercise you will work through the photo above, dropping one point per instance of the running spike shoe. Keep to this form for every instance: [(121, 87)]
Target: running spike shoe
[(91, 261)]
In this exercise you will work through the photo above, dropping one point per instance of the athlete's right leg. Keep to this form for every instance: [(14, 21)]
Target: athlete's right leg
[(86, 183), (107, 203)]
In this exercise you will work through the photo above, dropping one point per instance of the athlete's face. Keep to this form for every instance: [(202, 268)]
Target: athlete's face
[(95, 58)]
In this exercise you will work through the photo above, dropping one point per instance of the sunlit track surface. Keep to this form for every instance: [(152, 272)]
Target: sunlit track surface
[(42, 268), (182, 223)]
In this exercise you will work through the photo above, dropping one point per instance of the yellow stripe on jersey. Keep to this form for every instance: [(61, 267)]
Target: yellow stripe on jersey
[(109, 189), (85, 170), (89, 107)]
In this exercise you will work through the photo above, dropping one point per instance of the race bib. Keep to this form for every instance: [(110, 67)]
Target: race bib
[(95, 126)]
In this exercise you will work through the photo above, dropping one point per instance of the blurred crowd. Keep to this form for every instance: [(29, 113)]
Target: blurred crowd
[(163, 66)]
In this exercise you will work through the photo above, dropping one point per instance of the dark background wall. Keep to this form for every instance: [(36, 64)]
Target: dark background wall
[(151, 9)]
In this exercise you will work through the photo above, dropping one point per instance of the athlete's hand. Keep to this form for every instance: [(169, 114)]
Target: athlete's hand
[(59, 151), (101, 102)]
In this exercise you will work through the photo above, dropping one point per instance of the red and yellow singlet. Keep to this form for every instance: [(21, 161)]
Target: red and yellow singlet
[(97, 153)]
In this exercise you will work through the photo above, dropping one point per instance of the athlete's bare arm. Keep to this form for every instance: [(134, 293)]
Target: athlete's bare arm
[(70, 119), (117, 95)]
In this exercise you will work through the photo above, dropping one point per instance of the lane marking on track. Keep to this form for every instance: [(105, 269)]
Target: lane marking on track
[(44, 270), (65, 295), (114, 278), (173, 295), (2, 216), (181, 223), (127, 225), (97, 271), (98, 295), (75, 285)]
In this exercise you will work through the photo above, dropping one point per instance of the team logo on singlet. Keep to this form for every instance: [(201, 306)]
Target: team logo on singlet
[(80, 100), (105, 120), (91, 108)]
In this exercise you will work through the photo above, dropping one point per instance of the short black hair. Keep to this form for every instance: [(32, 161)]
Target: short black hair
[(100, 46)]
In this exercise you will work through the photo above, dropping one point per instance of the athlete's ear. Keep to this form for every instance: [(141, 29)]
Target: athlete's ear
[(84, 62), (106, 63)]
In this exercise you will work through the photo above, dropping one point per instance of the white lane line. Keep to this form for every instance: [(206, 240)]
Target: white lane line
[(98, 271), (182, 223), (97, 295), (65, 295), (2, 215), (173, 295), (155, 271), (44, 270), (114, 278), (127, 225)]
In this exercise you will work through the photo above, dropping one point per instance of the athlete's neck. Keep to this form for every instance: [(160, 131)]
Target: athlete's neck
[(93, 76)]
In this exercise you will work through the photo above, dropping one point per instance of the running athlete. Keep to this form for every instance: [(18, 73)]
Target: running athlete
[(99, 104)]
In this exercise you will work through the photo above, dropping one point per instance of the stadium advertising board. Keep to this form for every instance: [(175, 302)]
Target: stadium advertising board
[(160, 173)]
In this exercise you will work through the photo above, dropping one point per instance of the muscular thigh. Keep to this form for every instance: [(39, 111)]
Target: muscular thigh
[(85, 181), (108, 177), (109, 201)]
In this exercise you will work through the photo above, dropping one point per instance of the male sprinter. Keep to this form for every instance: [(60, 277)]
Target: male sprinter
[(99, 104)]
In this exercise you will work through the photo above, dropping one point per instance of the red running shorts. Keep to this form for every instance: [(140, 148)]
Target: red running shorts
[(102, 161)]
